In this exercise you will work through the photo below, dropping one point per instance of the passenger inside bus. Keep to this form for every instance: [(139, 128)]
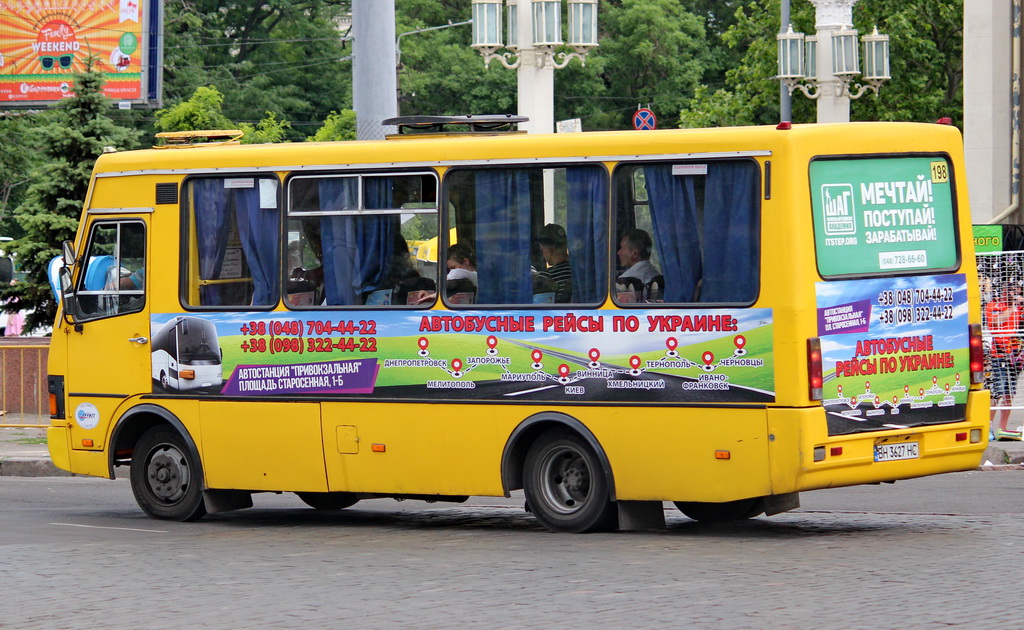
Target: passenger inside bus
[(641, 281), (460, 283), (554, 248)]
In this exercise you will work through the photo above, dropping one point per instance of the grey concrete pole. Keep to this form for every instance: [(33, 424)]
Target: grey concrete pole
[(374, 76)]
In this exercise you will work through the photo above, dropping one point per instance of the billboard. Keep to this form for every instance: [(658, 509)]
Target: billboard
[(43, 43)]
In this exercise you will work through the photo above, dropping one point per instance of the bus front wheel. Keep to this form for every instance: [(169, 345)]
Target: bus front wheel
[(722, 512), (328, 500), (166, 478), (565, 485)]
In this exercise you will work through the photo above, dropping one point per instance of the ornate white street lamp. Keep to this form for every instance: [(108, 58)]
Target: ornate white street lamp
[(825, 67), (534, 34)]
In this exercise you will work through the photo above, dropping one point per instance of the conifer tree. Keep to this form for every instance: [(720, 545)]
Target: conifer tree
[(68, 141)]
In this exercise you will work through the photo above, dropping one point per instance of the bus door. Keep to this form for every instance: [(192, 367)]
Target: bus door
[(108, 347)]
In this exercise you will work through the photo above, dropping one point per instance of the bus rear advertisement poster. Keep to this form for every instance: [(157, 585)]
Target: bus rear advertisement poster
[(894, 350), (720, 355)]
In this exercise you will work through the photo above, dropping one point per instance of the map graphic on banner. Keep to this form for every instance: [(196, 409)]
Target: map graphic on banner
[(43, 44), (722, 355), (895, 352)]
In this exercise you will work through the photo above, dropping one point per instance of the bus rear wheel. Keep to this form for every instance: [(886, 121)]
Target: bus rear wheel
[(328, 501), (722, 512), (166, 477), (565, 485)]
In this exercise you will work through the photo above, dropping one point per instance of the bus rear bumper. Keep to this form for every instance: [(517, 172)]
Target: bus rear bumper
[(800, 442)]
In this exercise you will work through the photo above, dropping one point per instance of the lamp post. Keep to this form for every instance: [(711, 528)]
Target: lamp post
[(534, 32), (824, 66)]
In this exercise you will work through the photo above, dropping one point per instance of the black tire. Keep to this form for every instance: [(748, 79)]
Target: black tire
[(722, 512), (328, 501), (565, 485), (164, 382), (167, 479)]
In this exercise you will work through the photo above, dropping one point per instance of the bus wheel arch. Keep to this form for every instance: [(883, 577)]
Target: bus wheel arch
[(513, 458), (137, 421), (564, 473)]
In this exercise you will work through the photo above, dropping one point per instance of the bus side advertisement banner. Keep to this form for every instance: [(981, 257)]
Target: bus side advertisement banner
[(895, 352), (719, 355), (883, 215)]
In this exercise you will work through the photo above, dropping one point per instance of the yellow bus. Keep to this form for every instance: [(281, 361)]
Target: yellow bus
[(718, 318)]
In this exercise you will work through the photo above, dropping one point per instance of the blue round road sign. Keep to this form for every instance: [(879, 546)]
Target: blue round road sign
[(644, 120)]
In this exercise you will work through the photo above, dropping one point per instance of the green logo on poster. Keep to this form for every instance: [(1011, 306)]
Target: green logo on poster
[(128, 43)]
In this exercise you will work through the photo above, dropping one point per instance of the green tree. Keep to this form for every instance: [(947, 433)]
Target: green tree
[(281, 56), (17, 158), (70, 139), (926, 40), (203, 111), (338, 126)]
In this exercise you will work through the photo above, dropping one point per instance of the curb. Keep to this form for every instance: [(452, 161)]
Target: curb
[(30, 467)]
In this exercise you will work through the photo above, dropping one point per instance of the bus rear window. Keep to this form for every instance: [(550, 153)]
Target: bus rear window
[(883, 215)]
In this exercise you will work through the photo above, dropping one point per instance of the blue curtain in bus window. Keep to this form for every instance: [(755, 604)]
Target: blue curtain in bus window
[(338, 241), (211, 214), (673, 203), (258, 230), (376, 235), (732, 220), (587, 218), (503, 237)]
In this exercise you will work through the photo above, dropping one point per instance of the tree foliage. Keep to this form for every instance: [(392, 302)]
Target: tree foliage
[(69, 140), (926, 43), (338, 126), (17, 158), (281, 56)]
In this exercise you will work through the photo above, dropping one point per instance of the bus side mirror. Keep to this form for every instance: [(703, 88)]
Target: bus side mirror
[(67, 292), (68, 251)]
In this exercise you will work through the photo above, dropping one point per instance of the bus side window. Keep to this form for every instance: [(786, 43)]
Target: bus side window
[(538, 234), (112, 281), (356, 238), (688, 232), (233, 232)]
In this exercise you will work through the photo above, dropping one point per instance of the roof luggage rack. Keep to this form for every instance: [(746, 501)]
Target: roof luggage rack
[(456, 125), (178, 139)]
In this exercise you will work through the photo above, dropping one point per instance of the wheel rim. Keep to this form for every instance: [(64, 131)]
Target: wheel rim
[(566, 480), (167, 473)]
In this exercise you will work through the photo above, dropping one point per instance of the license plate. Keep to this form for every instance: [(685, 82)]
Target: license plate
[(892, 452)]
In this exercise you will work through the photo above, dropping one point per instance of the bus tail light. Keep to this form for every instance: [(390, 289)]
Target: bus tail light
[(815, 379), (55, 387), (187, 374), (977, 355)]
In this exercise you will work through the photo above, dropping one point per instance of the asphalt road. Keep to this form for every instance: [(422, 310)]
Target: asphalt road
[(940, 551)]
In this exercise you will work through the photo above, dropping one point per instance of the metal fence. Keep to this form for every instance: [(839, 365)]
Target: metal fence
[(24, 399), (1001, 276)]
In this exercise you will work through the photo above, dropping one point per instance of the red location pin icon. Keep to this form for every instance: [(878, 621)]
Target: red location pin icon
[(423, 343), (894, 399), (877, 400), (935, 380), (906, 389), (867, 385), (456, 365), (957, 376), (839, 388), (853, 400), (671, 343), (740, 341), (922, 391), (594, 354), (537, 355), (634, 362), (492, 342), (947, 388), (563, 370), (707, 357)]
